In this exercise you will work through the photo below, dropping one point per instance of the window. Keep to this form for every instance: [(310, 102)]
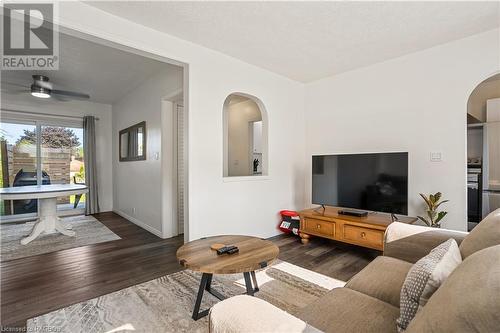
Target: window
[(245, 136), (35, 153)]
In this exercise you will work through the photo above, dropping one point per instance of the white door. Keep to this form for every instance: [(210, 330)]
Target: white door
[(180, 167)]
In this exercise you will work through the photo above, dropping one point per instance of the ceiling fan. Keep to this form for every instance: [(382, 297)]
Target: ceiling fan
[(42, 88)]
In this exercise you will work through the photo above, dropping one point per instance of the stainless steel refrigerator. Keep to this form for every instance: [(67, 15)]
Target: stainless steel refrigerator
[(491, 158)]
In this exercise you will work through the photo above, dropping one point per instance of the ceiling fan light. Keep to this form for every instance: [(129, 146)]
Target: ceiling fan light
[(40, 92)]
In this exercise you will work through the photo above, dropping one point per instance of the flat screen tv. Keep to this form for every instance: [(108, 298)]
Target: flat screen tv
[(373, 182)]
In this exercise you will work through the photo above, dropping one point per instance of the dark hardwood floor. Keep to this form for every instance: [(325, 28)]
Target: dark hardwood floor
[(36, 285)]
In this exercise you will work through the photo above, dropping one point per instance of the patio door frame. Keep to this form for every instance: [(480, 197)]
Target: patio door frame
[(28, 118)]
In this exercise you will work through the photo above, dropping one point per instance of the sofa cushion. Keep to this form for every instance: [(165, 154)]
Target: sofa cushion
[(382, 279), (346, 310), (485, 234), (425, 277), (468, 301), (250, 314)]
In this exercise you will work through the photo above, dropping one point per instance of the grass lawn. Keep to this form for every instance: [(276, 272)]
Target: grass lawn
[(72, 199)]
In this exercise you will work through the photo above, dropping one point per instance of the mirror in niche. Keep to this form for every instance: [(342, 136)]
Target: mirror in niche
[(132, 144), (245, 136)]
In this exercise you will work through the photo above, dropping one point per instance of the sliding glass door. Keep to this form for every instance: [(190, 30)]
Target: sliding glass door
[(40, 153), (19, 165), (62, 160)]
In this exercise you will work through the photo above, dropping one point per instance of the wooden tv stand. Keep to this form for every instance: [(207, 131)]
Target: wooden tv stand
[(365, 231)]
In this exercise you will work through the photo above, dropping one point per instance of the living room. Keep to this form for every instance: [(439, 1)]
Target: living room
[(329, 79)]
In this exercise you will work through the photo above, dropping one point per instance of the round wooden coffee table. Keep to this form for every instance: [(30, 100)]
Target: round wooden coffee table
[(254, 253)]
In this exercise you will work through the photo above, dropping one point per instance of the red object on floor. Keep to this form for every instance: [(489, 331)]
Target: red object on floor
[(290, 213), (290, 222)]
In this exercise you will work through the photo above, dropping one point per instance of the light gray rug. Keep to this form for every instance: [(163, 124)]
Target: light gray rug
[(88, 231), (166, 304)]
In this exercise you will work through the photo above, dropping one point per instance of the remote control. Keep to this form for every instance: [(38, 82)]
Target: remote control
[(233, 250), (223, 250), (227, 249)]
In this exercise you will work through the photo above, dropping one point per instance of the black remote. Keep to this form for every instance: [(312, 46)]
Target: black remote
[(227, 249), (223, 250), (233, 250)]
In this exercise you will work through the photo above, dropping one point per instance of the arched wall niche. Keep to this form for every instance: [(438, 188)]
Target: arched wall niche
[(245, 136)]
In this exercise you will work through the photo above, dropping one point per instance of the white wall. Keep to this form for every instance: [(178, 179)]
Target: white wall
[(415, 103), (216, 206), (79, 109), (138, 186)]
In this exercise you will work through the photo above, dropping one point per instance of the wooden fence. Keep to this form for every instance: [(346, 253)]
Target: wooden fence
[(55, 162)]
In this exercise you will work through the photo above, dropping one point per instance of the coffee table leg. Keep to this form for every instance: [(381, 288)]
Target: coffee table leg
[(254, 279), (209, 283), (205, 278), (206, 284), (248, 283)]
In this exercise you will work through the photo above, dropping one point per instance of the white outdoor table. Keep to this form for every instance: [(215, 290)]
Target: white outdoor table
[(47, 195)]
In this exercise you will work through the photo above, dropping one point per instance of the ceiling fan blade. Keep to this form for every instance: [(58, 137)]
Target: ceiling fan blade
[(71, 94), (13, 84), (15, 91), (59, 98)]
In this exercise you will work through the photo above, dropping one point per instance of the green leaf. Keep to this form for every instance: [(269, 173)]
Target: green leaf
[(440, 216), (437, 196)]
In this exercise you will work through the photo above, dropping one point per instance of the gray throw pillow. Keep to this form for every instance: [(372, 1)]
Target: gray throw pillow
[(424, 278)]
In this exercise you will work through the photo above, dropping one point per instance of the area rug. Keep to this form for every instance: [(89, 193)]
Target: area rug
[(88, 231), (166, 304)]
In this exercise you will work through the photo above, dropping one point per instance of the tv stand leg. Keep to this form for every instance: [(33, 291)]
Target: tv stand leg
[(304, 238)]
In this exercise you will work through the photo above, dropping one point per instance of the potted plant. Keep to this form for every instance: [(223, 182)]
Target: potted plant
[(433, 216)]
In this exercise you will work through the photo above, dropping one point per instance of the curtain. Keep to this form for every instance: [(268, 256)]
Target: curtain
[(89, 156)]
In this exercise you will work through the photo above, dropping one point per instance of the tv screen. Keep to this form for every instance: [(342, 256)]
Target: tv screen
[(375, 182)]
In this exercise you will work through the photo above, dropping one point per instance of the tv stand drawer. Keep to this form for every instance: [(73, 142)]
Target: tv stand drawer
[(363, 236), (319, 227)]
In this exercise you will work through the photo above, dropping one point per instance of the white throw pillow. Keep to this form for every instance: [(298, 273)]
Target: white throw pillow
[(424, 278)]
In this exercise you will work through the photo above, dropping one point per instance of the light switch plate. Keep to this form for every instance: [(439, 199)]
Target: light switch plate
[(436, 156)]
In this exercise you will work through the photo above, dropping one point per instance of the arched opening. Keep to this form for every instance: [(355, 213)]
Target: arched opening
[(245, 136), (483, 150)]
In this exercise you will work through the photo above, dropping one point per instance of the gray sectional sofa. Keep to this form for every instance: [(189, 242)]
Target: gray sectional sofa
[(468, 301)]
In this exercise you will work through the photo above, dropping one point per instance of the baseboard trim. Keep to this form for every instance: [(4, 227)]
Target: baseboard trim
[(139, 223)]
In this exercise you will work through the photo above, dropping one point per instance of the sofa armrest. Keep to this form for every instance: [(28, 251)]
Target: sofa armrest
[(412, 242)]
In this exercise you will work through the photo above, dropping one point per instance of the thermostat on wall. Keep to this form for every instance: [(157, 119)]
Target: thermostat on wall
[(436, 156)]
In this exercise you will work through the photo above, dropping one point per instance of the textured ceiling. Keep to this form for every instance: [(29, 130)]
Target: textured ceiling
[(306, 41)]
